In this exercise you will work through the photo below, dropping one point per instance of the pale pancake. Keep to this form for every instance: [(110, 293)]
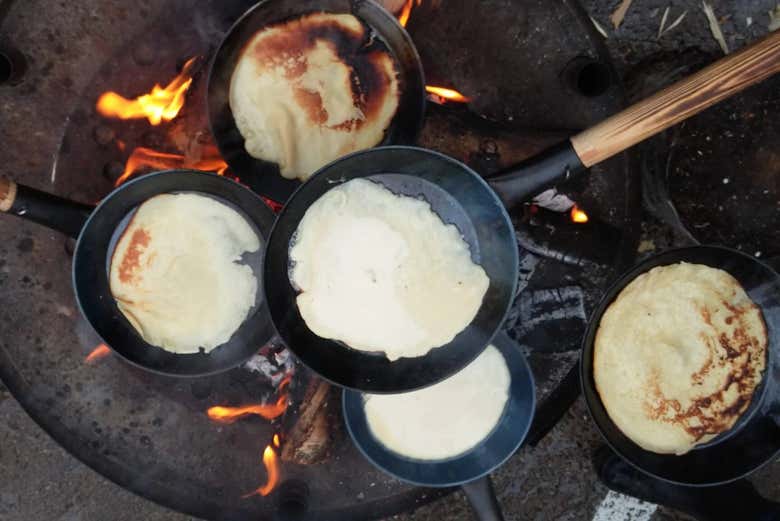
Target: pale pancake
[(307, 91), (175, 273), (445, 419), (382, 272), (678, 356)]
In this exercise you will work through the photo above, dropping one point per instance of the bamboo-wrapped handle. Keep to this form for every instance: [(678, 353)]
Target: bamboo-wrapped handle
[(680, 101), (7, 194)]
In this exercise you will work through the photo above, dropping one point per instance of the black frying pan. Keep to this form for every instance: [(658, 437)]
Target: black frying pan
[(470, 470), (755, 438), (263, 176), (97, 228), (460, 197)]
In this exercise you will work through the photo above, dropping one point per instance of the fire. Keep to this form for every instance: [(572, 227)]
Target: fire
[(445, 94), (268, 411), (222, 414), (146, 157), (578, 215), (161, 104), (406, 11), (99, 352), (271, 463)]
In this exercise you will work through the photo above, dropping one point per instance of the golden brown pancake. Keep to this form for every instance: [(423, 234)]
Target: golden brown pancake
[(175, 273), (310, 90), (678, 356)]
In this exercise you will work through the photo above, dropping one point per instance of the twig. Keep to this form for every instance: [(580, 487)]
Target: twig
[(620, 13), (663, 22), (715, 27), (599, 28)]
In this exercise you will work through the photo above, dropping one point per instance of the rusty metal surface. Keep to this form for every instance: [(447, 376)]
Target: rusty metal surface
[(148, 433)]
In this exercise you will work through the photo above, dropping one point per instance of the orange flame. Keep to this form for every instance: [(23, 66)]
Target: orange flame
[(222, 414), (277, 443), (269, 411), (578, 215), (161, 104), (142, 157), (406, 11), (99, 352), (447, 94), (271, 468)]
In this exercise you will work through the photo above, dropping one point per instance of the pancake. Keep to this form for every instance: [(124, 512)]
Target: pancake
[(310, 90), (445, 419), (678, 356), (175, 276), (382, 272)]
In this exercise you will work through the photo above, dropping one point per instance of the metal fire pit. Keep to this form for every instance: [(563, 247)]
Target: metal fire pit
[(150, 434)]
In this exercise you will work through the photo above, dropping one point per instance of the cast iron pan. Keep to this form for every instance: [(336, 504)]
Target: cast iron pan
[(755, 438), (470, 470), (460, 197), (263, 176), (98, 228)]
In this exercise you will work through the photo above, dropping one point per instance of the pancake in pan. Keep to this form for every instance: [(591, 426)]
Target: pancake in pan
[(678, 356), (312, 89), (175, 273)]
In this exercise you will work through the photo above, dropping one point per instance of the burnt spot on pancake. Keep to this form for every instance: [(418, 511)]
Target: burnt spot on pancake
[(131, 260), (365, 57), (311, 102), (698, 376), (718, 411)]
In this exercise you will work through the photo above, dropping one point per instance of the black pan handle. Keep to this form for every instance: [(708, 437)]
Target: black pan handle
[(482, 499), (43, 208), (534, 175)]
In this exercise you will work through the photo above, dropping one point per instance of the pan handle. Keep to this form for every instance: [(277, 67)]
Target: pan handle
[(43, 208), (638, 122), (680, 101), (482, 498)]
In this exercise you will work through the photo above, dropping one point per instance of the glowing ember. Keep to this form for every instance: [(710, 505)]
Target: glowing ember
[(578, 215), (446, 94), (146, 157), (99, 352), (406, 11), (276, 441), (272, 469), (161, 104)]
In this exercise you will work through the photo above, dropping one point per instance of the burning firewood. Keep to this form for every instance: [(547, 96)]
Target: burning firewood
[(310, 438)]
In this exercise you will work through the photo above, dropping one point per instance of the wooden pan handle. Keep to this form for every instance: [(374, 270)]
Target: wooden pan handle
[(7, 194), (680, 101)]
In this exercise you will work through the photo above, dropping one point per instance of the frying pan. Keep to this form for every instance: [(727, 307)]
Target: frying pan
[(98, 227), (461, 197), (755, 438), (469, 470), (264, 176)]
